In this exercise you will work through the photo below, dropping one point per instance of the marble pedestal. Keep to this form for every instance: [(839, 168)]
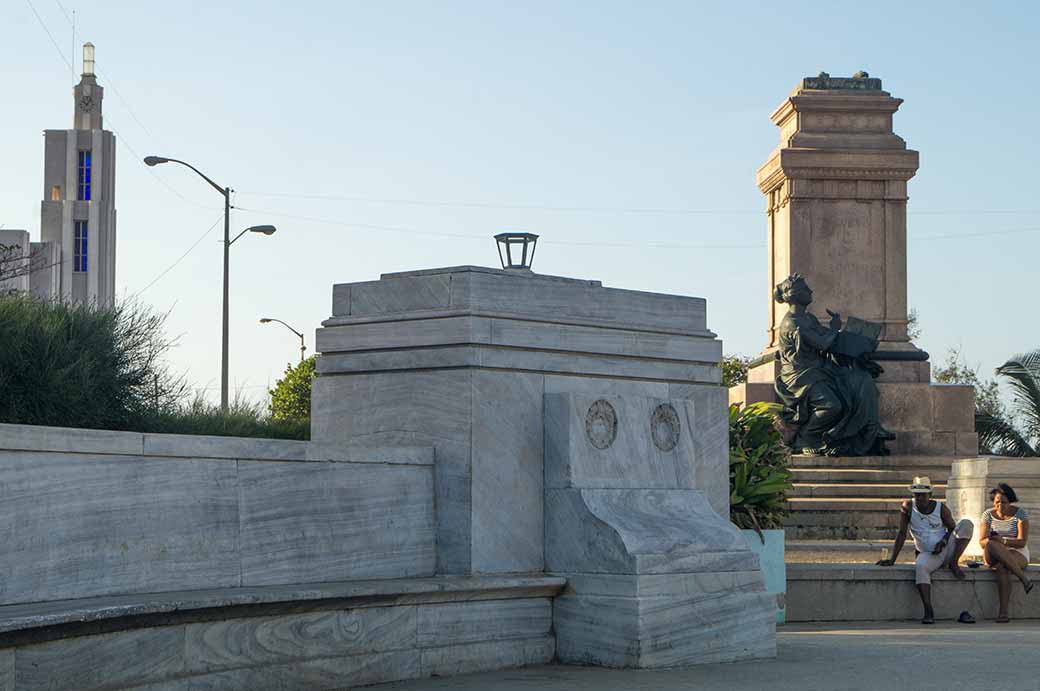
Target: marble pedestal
[(656, 577), (459, 359), (967, 492)]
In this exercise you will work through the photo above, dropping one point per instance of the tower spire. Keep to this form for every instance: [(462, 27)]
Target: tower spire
[(87, 95), (88, 59)]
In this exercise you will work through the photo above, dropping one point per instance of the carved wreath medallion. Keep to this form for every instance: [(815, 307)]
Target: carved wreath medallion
[(601, 424), (664, 427)]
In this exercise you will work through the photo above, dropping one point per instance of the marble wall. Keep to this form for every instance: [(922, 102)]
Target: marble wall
[(88, 513)]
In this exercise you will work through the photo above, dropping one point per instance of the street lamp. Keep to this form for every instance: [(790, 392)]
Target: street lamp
[(516, 250), (266, 230), (303, 348)]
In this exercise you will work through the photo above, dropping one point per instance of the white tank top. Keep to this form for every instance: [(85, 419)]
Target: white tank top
[(926, 528)]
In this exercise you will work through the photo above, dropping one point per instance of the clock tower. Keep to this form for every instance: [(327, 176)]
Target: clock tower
[(88, 94), (78, 214)]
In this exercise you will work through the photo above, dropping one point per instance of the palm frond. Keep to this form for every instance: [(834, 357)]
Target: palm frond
[(1022, 373), (1000, 437)]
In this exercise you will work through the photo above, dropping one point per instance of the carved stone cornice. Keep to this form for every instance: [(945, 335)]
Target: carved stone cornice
[(817, 164)]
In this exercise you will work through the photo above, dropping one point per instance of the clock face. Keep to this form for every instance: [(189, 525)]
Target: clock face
[(86, 103)]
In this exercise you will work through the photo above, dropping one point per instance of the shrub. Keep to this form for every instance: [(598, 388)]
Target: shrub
[(243, 418), (75, 365), (291, 395), (759, 478)]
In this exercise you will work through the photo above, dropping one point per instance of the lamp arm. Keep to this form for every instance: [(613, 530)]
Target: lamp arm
[(202, 175), (287, 326), (238, 236)]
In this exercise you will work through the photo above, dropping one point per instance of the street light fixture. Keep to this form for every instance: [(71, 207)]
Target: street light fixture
[(516, 250), (303, 347), (266, 230)]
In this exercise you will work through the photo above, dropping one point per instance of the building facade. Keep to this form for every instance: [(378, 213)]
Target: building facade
[(76, 258)]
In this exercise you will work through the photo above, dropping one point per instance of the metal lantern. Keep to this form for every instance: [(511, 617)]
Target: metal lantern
[(516, 250)]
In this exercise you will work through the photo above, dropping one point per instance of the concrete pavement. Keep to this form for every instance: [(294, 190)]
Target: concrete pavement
[(865, 656)]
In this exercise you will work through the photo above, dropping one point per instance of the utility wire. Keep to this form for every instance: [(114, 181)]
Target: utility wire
[(495, 205), (50, 36), (483, 238), (595, 209), (180, 258)]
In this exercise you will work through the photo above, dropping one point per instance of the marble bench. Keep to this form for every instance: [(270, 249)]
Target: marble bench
[(311, 636), (864, 592)]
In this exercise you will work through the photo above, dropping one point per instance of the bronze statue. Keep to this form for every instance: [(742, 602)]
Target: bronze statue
[(826, 383)]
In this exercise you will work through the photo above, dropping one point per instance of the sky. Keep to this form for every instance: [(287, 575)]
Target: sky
[(391, 136)]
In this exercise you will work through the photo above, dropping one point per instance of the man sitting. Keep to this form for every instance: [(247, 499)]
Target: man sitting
[(931, 525)]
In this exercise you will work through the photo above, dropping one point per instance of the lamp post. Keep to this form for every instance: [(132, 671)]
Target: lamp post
[(303, 347), (266, 230)]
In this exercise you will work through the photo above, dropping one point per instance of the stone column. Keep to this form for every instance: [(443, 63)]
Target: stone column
[(836, 198)]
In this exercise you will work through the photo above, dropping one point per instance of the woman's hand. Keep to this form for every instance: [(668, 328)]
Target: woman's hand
[(835, 320)]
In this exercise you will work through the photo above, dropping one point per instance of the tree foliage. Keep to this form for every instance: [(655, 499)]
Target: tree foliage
[(956, 370), (1015, 432), (734, 370), (291, 395), (759, 478)]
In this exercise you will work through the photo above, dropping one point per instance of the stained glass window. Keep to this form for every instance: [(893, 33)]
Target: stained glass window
[(84, 175), (79, 258)]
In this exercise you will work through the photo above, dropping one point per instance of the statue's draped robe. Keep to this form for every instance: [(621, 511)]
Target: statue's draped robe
[(834, 406)]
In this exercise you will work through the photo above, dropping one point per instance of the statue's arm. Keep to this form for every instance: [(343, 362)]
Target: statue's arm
[(816, 336)]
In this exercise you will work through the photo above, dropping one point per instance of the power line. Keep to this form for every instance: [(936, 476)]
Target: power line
[(596, 209), (496, 205), (983, 233), (484, 238), (50, 36), (186, 252)]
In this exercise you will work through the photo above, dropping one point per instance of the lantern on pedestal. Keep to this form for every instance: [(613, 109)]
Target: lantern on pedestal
[(516, 250)]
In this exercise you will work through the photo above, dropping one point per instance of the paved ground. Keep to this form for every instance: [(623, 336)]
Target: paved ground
[(870, 656)]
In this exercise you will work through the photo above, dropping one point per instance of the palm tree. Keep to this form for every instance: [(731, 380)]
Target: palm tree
[(997, 432)]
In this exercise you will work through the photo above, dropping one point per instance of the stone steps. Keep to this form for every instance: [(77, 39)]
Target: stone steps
[(854, 499), (919, 465), (859, 490), (862, 475)]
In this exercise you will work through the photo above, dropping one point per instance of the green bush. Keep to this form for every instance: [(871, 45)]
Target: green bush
[(291, 395), (74, 365), (243, 418), (759, 478)]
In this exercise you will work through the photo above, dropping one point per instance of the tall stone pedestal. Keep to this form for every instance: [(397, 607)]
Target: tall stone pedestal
[(496, 369), (836, 194)]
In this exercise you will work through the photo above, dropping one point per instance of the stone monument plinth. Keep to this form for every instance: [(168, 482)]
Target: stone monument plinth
[(836, 196), (577, 429)]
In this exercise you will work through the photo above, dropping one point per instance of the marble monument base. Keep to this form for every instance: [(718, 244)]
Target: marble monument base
[(656, 577)]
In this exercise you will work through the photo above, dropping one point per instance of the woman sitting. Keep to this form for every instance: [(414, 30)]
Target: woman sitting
[(1004, 540)]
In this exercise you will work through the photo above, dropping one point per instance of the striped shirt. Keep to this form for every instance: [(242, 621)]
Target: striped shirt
[(1005, 527)]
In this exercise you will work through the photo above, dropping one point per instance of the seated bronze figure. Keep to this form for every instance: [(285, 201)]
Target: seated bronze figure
[(828, 392)]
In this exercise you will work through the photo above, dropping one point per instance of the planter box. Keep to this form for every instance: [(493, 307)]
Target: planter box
[(771, 557)]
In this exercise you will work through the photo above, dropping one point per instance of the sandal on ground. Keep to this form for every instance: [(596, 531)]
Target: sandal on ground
[(928, 620), (1028, 585), (1002, 620), (966, 618)]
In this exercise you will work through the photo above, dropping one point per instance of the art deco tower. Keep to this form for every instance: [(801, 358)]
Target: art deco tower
[(78, 212)]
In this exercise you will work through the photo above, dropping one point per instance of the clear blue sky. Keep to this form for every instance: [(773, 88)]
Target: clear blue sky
[(489, 109)]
